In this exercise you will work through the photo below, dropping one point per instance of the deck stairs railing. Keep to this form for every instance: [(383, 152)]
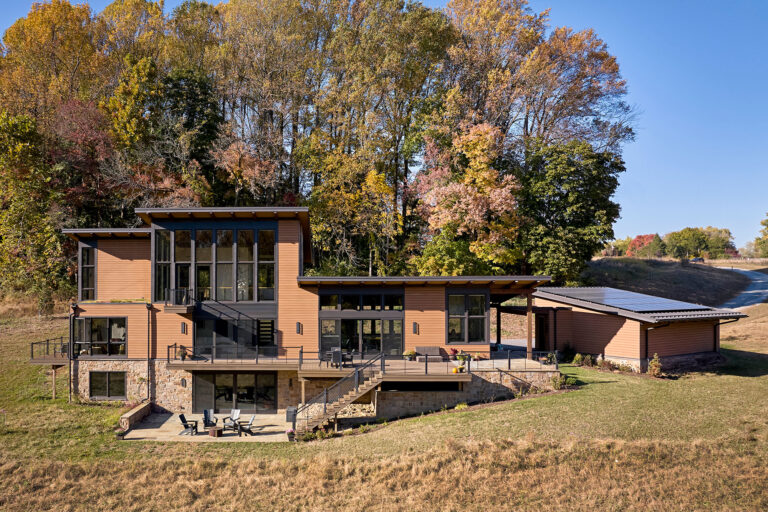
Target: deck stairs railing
[(320, 410)]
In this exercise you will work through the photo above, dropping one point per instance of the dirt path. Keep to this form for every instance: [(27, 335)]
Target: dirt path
[(755, 293)]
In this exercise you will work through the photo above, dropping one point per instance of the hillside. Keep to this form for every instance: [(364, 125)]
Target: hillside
[(692, 283)]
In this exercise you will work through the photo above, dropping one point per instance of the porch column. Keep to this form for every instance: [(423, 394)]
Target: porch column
[(529, 321), (498, 324)]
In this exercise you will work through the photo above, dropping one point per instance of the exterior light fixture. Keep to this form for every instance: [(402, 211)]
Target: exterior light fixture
[(299, 328), (415, 328)]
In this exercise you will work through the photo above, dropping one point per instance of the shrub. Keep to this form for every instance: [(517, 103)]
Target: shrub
[(570, 381), (461, 406), (624, 367), (587, 360), (364, 429), (567, 354), (558, 381), (654, 366), (578, 360), (606, 365)]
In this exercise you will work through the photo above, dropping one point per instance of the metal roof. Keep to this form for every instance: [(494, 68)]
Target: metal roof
[(88, 233), (503, 283), (633, 305)]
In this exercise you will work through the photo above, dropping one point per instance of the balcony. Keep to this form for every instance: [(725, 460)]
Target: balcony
[(53, 351), (179, 300)]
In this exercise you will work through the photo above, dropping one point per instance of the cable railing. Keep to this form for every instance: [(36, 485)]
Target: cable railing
[(179, 296), (52, 348)]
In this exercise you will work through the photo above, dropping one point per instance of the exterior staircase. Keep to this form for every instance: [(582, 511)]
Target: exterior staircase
[(316, 413)]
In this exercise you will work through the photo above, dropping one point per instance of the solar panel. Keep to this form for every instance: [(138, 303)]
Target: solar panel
[(631, 301)]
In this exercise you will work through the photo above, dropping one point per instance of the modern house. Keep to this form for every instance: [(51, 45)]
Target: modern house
[(209, 308), (625, 326)]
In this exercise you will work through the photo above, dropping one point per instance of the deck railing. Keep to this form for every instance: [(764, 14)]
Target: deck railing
[(179, 296), (52, 348)]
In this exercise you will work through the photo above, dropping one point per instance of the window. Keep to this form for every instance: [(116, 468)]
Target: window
[(245, 265), (162, 264), (266, 266), (329, 335), (329, 302), (350, 302), (241, 339), (467, 318), (224, 265), (107, 385), (87, 273), (393, 302), (99, 336), (182, 257), (371, 302), (203, 261)]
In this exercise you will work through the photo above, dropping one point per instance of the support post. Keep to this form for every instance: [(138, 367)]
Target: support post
[(529, 321), (498, 326), (53, 382)]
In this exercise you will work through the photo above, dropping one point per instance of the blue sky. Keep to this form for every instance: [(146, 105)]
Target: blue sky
[(697, 74)]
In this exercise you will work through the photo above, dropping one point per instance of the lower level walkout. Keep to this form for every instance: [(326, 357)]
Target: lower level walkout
[(250, 392)]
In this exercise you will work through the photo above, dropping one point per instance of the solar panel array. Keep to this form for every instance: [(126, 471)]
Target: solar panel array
[(631, 301)]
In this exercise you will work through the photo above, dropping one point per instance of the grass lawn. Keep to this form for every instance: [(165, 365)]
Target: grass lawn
[(620, 442), (691, 283)]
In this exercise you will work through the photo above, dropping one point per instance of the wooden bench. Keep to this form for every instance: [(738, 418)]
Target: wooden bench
[(429, 354)]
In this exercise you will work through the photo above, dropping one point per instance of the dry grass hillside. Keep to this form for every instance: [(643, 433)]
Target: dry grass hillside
[(688, 282), (620, 442)]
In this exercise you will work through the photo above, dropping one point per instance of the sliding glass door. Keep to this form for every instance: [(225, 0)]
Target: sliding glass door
[(248, 391)]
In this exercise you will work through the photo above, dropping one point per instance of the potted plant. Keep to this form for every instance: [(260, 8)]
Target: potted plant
[(454, 353), (291, 434), (120, 434), (461, 356), (409, 355), (460, 368)]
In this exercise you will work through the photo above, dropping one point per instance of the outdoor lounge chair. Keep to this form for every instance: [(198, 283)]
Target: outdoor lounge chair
[(246, 427), (230, 422), (190, 426), (209, 420)]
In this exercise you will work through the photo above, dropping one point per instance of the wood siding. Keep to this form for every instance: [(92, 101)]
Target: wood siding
[(425, 306), (592, 332), (682, 338), (295, 304), (123, 270)]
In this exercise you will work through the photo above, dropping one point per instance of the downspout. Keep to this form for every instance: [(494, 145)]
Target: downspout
[(646, 339), (149, 321), (554, 337), (70, 348), (715, 336)]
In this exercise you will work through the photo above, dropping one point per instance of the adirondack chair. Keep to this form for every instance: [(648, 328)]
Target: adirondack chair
[(209, 420), (190, 426), (230, 422), (247, 427)]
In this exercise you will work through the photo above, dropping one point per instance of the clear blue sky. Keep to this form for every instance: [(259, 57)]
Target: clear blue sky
[(697, 74)]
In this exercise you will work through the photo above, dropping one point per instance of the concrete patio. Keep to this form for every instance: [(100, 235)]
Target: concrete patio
[(269, 428)]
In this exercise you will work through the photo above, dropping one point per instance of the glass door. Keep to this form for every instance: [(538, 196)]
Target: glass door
[(350, 339), (371, 330), (225, 390)]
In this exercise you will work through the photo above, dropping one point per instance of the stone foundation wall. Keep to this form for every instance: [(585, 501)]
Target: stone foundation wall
[(171, 389), (135, 376), (486, 386)]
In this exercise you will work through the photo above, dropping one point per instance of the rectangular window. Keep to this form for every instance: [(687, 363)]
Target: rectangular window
[(350, 302), (224, 245), (329, 302), (162, 264), (467, 318), (371, 302), (182, 246), (99, 336), (329, 336), (203, 260), (393, 302), (266, 265), (224, 281), (87, 273), (107, 385), (245, 265)]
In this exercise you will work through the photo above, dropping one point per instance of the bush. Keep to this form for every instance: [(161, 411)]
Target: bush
[(587, 360), (570, 381), (654, 366), (567, 354), (461, 406), (624, 367), (558, 381), (606, 365), (578, 360)]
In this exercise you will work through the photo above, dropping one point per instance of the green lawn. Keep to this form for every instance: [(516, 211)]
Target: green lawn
[(619, 442)]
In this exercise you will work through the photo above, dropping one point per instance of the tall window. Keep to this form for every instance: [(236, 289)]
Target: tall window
[(467, 318), (99, 336), (266, 265), (162, 264), (107, 385), (203, 261), (224, 256), (245, 264), (182, 255), (87, 273)]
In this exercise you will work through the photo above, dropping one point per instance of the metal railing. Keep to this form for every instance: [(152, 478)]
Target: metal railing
[(339, 393), (52, 348), (538, 358), (179, 296)]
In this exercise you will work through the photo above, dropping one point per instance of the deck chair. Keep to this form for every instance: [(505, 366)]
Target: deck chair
[(190, 426), (209, 420), (247, 427), (230, 422)]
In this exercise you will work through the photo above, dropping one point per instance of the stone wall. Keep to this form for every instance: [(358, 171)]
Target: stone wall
[(171, 389), (486, 386), (135, 415)]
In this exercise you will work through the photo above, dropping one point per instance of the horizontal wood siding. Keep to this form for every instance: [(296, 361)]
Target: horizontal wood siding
[(166, 331), (294, 304), (682, 338), (123, 270), (425, 306)]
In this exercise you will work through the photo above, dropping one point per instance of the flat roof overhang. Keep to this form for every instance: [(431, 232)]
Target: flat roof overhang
[(496, 284), (300, 213), (105, 233)]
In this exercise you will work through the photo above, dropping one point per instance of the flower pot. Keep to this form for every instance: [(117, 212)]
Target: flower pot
[(120, 436), (291, 437)]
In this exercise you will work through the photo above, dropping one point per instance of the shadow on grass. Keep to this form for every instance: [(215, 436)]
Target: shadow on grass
[(743, 364)]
